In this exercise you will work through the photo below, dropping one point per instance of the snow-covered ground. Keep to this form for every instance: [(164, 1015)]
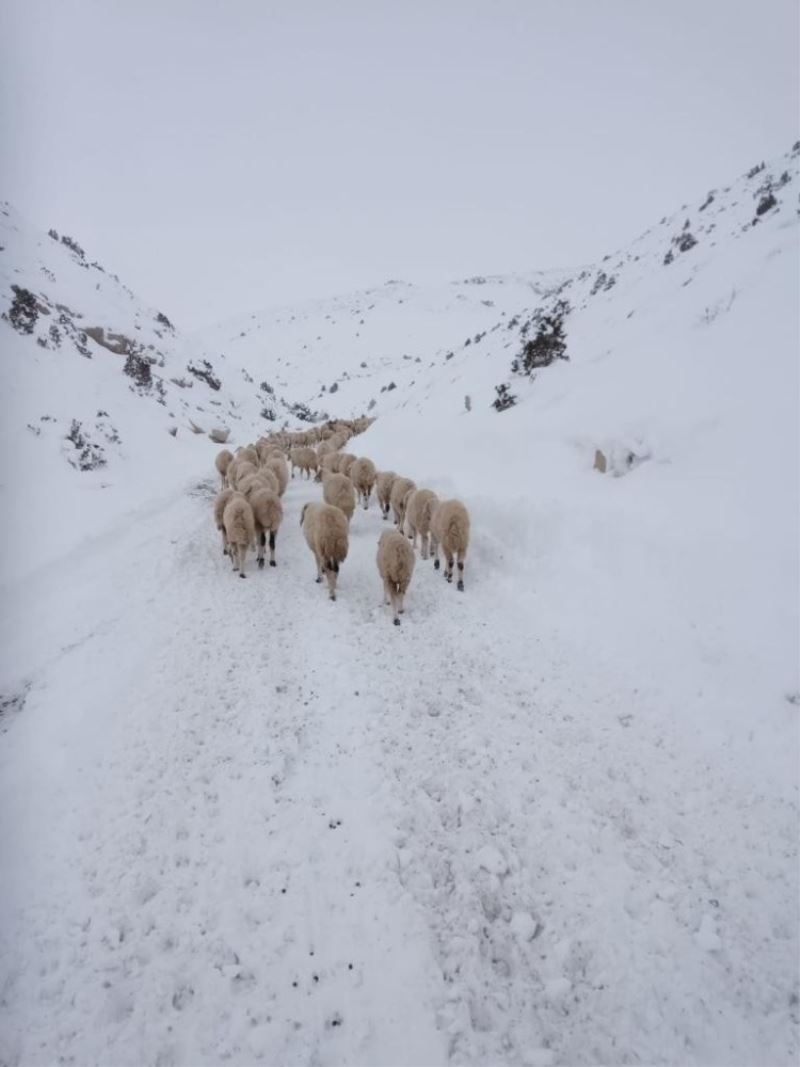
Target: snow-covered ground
[(552, 820)]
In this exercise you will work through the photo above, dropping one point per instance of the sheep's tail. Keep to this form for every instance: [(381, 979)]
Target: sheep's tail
[(457, 534), (338, 550)]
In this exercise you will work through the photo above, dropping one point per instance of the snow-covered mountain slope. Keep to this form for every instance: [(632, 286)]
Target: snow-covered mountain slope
[(393, 346), (94, 384), (552, 820)]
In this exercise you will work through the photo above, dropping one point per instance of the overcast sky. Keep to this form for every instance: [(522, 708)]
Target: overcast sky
[(225, 156)]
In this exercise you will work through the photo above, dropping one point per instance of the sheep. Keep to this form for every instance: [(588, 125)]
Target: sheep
[(328, 464), (383, 490), (450, 529), (279, 467), (222, 462), (266, 449), (419, 508), (305, 459), (263, 479), (395, 565), (362, 475), (325, 530), (401, 487), (267, 515), (338, 490), (346, 461), (219, 507), (239, 469), (240, 532), (249, 453)]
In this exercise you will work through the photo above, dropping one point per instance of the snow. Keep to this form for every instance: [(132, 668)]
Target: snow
[(551, 820)]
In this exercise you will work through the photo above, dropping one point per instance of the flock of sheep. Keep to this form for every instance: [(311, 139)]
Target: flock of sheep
[(248, 511)]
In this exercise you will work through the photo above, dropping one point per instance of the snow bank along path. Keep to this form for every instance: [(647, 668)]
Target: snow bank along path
[(241, 823)]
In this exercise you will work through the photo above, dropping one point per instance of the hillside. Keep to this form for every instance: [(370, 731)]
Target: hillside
[(551, 820)]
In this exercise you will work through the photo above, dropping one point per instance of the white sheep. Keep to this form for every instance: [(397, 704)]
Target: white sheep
[(262, 479), (250, 453), (325, 531), (401, 487), (238, 470), (304, 458), (419, 509), (222, 462), (239, 526), (268, 516), (328, 464), (362, 475), (383, 490), (395, 566), (337, 489), (346, 461), (278, 465), (450, 530), (219, 507)]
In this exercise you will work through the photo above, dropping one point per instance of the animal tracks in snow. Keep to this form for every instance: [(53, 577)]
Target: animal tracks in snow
[(274, 829)]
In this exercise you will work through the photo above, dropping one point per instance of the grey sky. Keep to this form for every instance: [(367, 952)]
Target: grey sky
[(222, 157)]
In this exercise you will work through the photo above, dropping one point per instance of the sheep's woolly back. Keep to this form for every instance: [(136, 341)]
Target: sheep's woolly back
[(384, 481), (304, 458), (362, 474), (260, 480), (223, 461), (250, 454), (239, 470), (267, 509), (395, 559), (277, 464), (270, 479), (450, 526), (346, 461), (238, 521), (400, 489), (219, 506), (337, 489), (325, 529), (419, 509)]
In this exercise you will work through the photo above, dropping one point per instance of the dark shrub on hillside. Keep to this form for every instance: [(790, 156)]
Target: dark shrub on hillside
[(138, 368), (73, 246), (505, 399), (205, 372), (24, 310), (549, 343)]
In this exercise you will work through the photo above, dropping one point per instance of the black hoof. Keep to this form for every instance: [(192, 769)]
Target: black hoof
[(397, 622), (272, 563), (449, 577), (261, 564), (436, 564), (242, 575), (318, 581), (461, 587)]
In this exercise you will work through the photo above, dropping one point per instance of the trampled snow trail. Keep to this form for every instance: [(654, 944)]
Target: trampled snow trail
[(245, 824)]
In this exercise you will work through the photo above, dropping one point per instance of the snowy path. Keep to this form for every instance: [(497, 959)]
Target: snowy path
[(243, 824)]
